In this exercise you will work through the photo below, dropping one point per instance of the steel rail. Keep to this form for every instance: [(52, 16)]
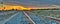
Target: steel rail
[(29, 18), (11, 17)]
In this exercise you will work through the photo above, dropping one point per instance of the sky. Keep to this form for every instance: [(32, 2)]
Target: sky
[(0, 0), (34, 2)]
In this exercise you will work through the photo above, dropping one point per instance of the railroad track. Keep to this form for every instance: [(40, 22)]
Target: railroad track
[(21, 19), (40, 19), (24, 18)]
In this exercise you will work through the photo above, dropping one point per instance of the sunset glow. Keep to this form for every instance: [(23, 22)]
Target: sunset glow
[(10, 7)]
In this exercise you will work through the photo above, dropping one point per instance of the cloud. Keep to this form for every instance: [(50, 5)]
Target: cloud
[(35, 2)]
